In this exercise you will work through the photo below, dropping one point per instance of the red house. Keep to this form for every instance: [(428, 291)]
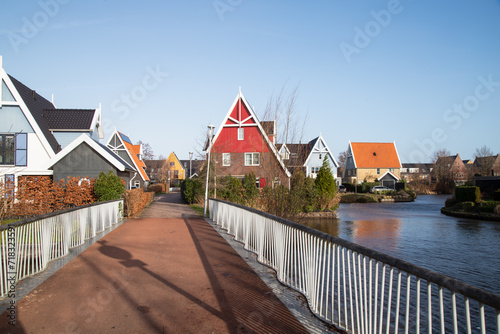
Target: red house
[(241, 146)]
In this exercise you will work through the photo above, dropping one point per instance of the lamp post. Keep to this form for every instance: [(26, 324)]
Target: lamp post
[(209, 134), (190, 158)]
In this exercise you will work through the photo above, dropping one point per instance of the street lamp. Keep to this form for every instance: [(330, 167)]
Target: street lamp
[(209, 134), (190, 158)]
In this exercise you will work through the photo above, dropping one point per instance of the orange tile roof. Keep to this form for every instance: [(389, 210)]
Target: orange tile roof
[(375, 155), (134, 150)]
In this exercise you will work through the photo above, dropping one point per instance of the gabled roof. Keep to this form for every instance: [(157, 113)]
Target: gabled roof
[(69, 119), (448, 160), (313, 143), (133, 151), (36, 104), (101, 149), (298, 153), (486, 161), (251, 120), (394, 176), (375, 155)]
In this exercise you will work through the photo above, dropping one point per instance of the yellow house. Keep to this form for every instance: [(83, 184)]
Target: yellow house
[(174, 167), (372, 161)]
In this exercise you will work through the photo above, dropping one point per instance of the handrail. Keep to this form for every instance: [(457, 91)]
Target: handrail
[(27, 246), (282, 240)]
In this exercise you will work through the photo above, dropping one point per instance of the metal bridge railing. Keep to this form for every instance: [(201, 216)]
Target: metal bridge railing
[(27, 246), (355, 288)]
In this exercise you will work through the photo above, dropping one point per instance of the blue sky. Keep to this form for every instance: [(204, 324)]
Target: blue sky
[(424, 74)]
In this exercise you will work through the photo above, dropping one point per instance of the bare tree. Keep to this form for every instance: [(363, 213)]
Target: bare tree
[(483, 152), (484, 161), (147, 151), (342, 160)]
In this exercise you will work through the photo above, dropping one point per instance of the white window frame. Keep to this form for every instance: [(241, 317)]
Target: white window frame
[(241, 134), (255, 159), (378, 171), (137, 183), (226, 159)]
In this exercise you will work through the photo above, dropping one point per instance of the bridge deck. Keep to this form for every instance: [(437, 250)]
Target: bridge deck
[(166, 272)]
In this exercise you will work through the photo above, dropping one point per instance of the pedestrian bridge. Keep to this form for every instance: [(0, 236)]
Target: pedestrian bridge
[(171, 271)]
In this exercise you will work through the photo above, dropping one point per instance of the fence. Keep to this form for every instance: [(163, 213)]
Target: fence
[(27, 246), (355, 288)]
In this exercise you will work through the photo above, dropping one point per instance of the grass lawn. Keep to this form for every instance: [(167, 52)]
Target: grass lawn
[(197, 208), (7, 221)]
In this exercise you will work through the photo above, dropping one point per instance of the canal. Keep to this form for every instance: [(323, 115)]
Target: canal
[(468, 250)]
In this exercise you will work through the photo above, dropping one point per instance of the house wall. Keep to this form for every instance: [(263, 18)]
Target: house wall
[(315, 161), (177, 166), (370, 174), (82, 162)]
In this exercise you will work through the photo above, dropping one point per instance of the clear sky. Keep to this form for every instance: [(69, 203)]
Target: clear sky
[(425, 74)]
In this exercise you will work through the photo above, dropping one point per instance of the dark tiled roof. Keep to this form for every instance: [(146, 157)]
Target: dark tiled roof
[(268, 127), (36, 104), (116, 156), (69, 119), (298, 153), (155, 164), (196, 165)]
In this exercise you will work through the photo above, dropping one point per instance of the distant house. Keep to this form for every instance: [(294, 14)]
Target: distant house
[(155, 169), (308, 157), (413, 172), (451, 168), (368, 162), (241, 146), (196, 166), (487, 166), (174, 168), (121, 145), (85, 158), (33, 133)]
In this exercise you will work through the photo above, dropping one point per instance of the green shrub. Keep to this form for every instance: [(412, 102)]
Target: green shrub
[(191, 190), (467, 206), (231, 190), (488, 206), (250, 190), (325, 185), (108, 187), (467, 194)]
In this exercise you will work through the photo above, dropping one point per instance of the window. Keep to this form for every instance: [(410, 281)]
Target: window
[(391, 170), (172, 164), (7, 149), (176, 174), (21, 149), (226, 159), (137, 184), (241, 133), (252, 159), (378, 171)]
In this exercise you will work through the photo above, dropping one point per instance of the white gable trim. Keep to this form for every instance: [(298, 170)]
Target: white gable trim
[(271, 146), (391, 174), (126, 150), (352, 155), (27, 113), (327, 151), (83, 138), (397, 153)]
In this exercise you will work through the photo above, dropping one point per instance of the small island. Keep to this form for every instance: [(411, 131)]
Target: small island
[(468, 202)]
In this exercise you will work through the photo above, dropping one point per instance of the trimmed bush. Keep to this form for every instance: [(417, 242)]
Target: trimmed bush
[(468, 194), (488, 206), (467, 206), (450, 202), (136, 200), (108, 187), (191, 191)]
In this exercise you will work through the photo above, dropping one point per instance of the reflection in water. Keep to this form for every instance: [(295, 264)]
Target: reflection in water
[(418, 233), (372, 233)]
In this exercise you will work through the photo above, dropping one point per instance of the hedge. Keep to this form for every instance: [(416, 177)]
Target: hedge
[(135, 201), (467, 194)]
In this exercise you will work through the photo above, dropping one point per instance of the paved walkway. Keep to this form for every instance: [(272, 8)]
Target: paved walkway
[(166, 272)]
